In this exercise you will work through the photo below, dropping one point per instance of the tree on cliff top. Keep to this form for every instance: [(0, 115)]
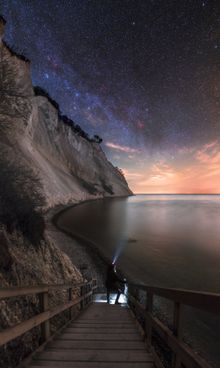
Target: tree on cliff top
[(39, 91), (21, 199), (97, 139)]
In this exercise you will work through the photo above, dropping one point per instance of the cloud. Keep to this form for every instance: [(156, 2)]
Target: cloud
[(209, 153), (161, 168), (185, 150), (159, 174), (197, 172), (132, 174), (118, 147)]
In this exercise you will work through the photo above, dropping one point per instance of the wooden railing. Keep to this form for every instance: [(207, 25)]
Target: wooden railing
[(42, 319), (141, 302)]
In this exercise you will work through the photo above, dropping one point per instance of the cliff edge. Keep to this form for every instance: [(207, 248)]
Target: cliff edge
[(70, 166)]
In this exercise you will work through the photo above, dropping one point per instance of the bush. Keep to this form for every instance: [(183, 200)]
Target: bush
[(97, 139), (21, 199), (76, 128), (41, 92)]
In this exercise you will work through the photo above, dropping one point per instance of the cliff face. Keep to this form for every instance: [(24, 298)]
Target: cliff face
[(71, 167), (34, 137)]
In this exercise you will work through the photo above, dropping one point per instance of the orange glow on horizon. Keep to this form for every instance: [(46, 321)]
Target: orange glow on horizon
[(199, 173)]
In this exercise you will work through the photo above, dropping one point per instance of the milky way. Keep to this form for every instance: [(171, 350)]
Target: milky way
[(144, 75)]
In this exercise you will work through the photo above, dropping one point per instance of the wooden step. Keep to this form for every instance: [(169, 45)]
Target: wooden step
[(103, 336), (100, 336), (116, 345), (98, 313), (101, 325), (95, 305), (103, 312), (96, 329), (107, 322), (106, 307), (106, 319), (54, 364), (105, 316), (95, 355), (122, 312)]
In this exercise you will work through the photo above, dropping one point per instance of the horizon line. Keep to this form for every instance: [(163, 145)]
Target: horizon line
[(176, 193)]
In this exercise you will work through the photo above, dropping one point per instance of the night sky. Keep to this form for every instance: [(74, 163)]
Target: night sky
[(144, 75)]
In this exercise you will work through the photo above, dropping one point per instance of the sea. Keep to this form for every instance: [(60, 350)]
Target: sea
[(161, 240)]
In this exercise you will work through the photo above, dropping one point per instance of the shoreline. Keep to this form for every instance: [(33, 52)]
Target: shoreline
[(98, 263), (82, 252)]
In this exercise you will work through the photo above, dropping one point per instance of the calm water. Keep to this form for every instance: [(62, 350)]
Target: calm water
[(164, 240), (169, 241)]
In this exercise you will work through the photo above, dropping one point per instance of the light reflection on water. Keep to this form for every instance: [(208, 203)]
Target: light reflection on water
[(170, 241)]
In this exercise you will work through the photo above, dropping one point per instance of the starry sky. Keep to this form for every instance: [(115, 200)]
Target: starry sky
[(142, 74)]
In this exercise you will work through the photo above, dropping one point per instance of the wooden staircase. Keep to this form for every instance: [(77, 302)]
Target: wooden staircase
[(103, 336)]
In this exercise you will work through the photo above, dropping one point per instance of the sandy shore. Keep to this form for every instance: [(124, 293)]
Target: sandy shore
[(81, 253)]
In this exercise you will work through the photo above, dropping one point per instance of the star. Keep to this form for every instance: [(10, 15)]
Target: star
[(135, 75)]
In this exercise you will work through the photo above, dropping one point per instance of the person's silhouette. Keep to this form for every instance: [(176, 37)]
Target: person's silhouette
[(113, 283)]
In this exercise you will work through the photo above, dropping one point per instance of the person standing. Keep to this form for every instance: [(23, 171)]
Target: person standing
[(113, 283)]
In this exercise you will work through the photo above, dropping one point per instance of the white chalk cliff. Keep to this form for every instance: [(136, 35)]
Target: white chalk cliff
[(71, 167)]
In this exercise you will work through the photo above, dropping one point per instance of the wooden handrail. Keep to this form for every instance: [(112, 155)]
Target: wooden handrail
[(182, 354), (17, 330), (28, 290), (209, 302), (43, 318)]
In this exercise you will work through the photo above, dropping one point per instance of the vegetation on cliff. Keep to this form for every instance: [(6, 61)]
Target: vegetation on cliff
[(39, 91), (21, 198)]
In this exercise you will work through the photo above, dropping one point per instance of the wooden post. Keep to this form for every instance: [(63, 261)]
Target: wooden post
[(87, 298), (128, 295), (93, 283), (44, 306), (70, 297), (177, 330), (148, 323), (88, 288), (84, 293), (129, 298), (92, 289), (81, 294), (90, 296)]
